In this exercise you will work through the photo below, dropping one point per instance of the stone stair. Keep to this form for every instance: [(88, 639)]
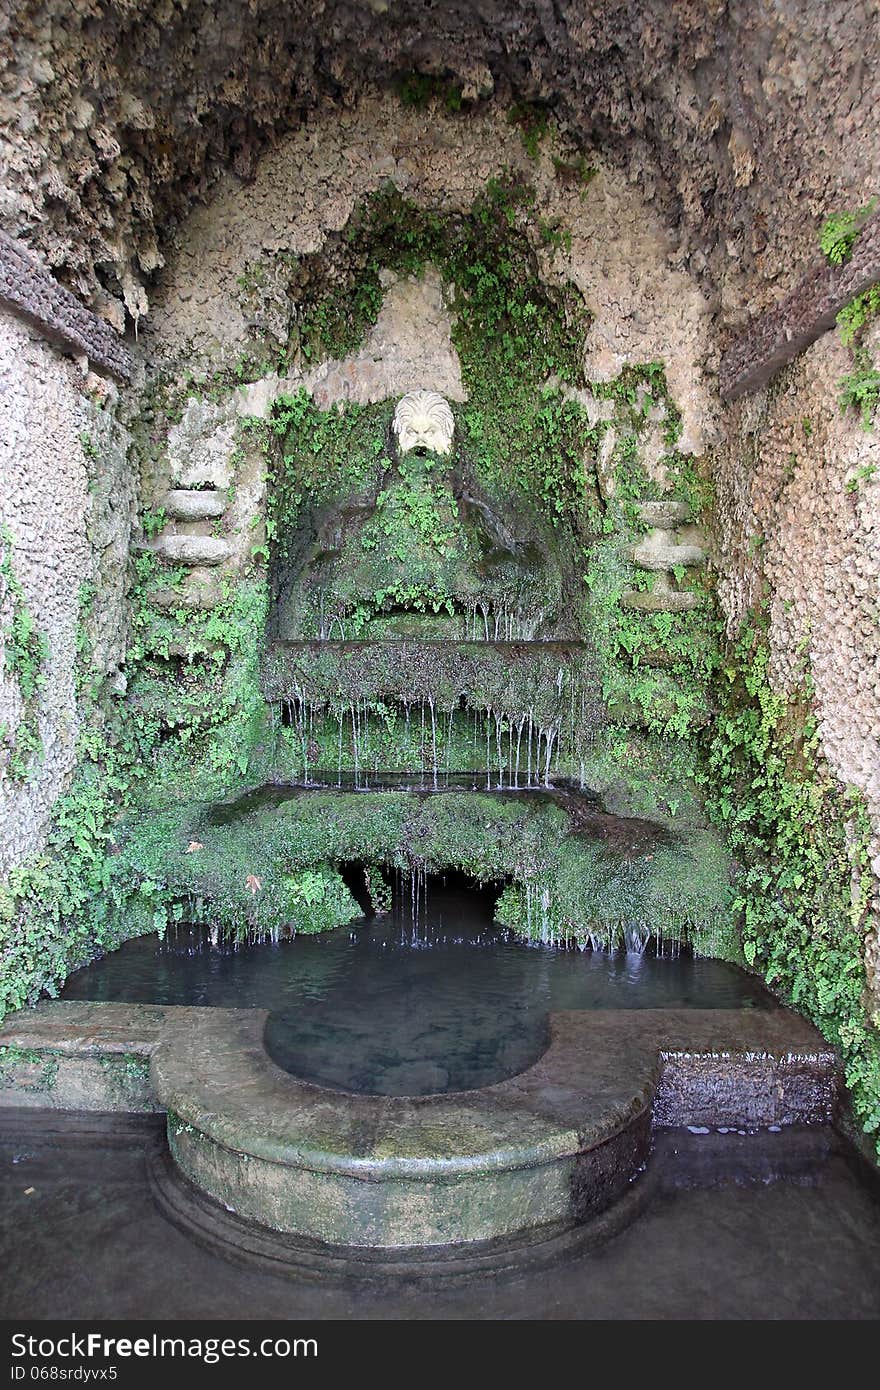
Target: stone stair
[(186, 540), (672, 542)]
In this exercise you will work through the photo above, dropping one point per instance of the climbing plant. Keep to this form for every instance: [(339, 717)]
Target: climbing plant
[(801, 844), (859, 388), (25, 653)]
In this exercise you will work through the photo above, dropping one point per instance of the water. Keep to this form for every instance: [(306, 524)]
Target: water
[(82, 1238), (436, 998)]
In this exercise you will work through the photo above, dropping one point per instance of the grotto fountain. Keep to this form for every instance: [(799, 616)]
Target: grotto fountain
[(427, 786), (420, 615)]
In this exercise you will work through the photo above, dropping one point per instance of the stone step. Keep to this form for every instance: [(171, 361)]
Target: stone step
[(657, 553), (184, 504), (662, 598), (193, 550), (199, 593), (665, 514)]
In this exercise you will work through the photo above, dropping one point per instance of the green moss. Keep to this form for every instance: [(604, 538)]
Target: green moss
[(27, 1069), (253, 869), (126, 1077)]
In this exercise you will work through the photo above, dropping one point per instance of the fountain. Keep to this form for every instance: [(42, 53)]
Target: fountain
[(431, 698)]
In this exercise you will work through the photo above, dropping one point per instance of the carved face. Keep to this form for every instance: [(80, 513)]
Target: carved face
[(423, 420)]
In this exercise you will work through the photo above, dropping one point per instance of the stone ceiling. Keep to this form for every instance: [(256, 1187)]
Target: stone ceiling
[(744, 121)]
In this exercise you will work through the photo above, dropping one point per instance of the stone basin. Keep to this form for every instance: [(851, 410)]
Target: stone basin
[(541, 1151)]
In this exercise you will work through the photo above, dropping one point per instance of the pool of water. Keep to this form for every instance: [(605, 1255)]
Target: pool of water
[(411, 1004), (83, 1238)]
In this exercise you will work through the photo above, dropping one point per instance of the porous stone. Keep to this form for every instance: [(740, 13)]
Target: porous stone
[(645, 308), (409, 344), (742, 126), (184, 505), (799, 518), (67, 500)]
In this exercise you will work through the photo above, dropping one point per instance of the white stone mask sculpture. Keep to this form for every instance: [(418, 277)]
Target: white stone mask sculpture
[(423, 420)]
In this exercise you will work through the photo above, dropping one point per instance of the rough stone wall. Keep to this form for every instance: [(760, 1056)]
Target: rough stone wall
[(746, 120), (67, 508), (799, 511), (644, 308)]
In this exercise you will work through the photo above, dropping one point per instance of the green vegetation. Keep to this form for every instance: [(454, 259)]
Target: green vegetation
[(856, 315), (25, 653), (27, 1069), (863, 474), (153, 522), (575, 170), (801, 842), (859, 388), (188, 731), (533, 122), (89, 448), (419, 90), (840, 232)]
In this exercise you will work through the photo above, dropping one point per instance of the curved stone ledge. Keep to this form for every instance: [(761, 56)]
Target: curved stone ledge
[(555, 1144)]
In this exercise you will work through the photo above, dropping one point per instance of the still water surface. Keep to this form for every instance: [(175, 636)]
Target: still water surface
[(409, 1005)]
